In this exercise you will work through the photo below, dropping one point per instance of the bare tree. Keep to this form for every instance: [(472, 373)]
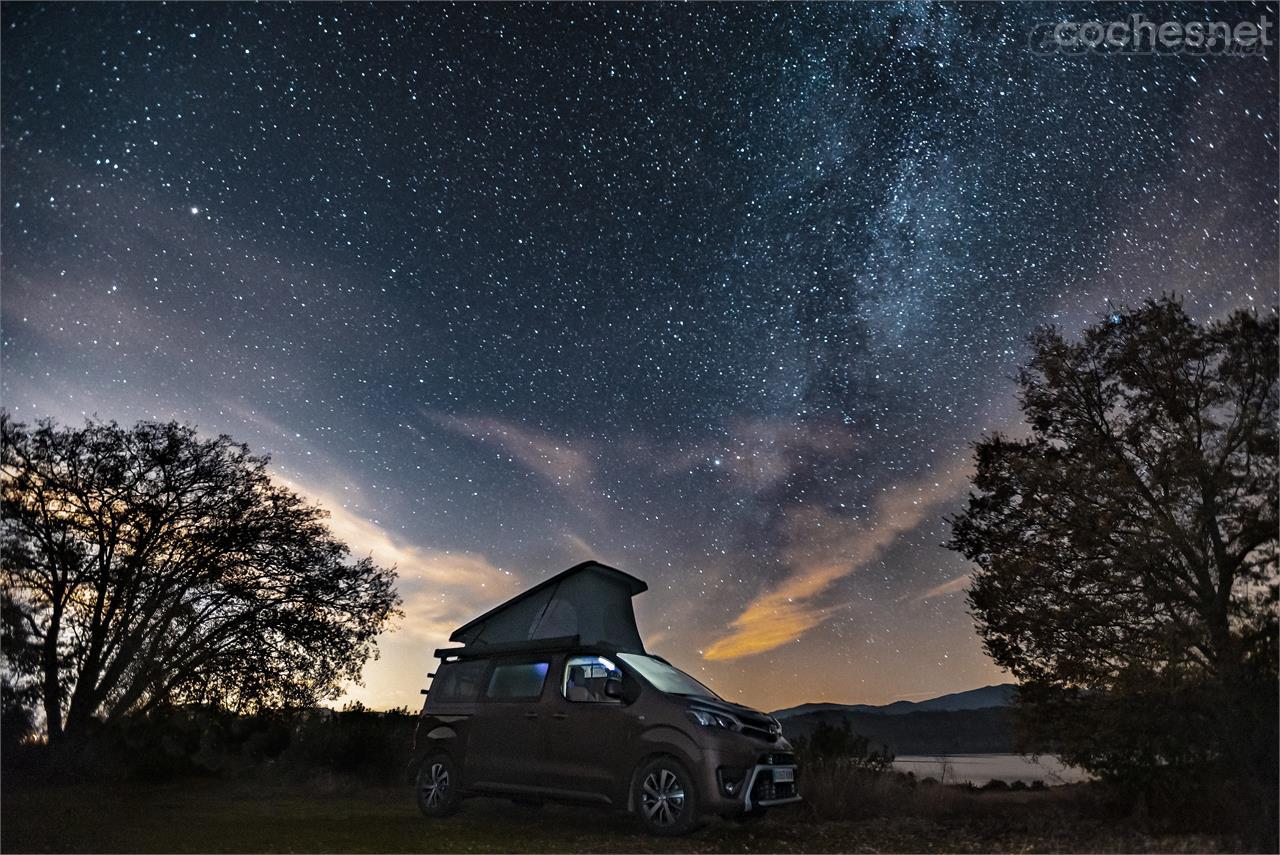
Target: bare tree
[(149, 566)]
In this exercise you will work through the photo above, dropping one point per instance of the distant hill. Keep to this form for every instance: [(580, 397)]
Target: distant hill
[(975, 722), (1000, 695)]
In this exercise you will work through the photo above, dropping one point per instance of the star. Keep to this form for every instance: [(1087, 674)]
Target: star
[(721, 295)]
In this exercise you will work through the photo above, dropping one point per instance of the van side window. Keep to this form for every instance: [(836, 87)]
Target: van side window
[(457, 682), (584, 679), (523, 680)]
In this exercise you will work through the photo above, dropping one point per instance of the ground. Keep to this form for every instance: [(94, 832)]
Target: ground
[(220, 816)]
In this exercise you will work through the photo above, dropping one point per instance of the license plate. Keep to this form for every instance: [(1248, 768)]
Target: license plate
[(784, 776)]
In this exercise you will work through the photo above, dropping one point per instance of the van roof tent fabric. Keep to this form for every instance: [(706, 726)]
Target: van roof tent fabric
[(589, 600)]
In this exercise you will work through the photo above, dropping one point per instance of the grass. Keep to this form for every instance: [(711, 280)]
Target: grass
[(323, 815)]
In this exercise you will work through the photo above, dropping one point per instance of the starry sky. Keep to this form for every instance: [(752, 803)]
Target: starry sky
[(720, 295)]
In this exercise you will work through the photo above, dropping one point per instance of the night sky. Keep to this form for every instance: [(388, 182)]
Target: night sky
[(720, 295)]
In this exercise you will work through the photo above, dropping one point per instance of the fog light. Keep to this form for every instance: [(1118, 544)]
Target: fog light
[(731, 780)]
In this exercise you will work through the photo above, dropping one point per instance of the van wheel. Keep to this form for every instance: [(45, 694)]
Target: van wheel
[(666, 798), (438, 787)]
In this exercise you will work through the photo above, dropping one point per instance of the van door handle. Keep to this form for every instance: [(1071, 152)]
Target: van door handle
[(531, 715), (560, 715)]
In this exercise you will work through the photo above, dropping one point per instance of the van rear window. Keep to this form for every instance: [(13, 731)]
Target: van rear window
[(457, 682)]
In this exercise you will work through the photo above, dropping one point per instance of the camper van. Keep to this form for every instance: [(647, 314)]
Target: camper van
[(553, 697)]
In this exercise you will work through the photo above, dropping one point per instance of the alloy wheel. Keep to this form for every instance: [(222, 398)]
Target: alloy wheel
[(662, 797), (435, 786)]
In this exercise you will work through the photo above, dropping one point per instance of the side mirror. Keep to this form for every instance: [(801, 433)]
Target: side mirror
[(613, 689)]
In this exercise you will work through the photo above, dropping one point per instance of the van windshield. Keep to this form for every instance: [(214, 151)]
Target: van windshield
[(664, 678)]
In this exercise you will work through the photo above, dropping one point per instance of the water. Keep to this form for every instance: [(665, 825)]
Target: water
[(978, 769)]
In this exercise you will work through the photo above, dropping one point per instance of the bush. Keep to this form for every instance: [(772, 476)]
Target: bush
[(828, 743), (195, 741), (355, 742), (837, 790)]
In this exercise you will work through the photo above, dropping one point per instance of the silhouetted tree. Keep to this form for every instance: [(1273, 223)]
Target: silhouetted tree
[(149, 566), (1126, 548)]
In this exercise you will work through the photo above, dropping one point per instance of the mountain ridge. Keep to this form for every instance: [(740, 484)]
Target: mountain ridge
[(984, 697)]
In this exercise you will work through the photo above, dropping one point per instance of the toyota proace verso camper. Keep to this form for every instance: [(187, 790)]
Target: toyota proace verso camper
[(553, 696)]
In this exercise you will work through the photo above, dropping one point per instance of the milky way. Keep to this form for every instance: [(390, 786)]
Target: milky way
[(721, 295)]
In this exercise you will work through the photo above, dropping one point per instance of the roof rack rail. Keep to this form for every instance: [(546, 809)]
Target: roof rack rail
[(473, 651)]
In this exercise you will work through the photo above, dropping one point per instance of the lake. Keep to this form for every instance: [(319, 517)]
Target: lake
[(978, 769)]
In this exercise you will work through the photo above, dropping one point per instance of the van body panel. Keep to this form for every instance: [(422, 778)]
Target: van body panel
[(584, 742), (504, 737)]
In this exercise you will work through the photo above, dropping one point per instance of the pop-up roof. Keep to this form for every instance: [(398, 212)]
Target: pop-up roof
[(590, 600)]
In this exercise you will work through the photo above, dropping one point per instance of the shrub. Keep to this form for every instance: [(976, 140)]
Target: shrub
[(354, 742), (194, 741), (828, 743)]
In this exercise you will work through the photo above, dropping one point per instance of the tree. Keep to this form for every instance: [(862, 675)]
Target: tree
[(145, 566), (1126, 547)]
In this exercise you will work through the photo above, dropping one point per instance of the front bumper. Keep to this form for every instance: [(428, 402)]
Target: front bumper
[(739, 781), (763, 788)]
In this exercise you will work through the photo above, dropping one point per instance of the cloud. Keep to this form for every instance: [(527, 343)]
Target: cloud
[(545, 454), (432, 611), (581, 550), (951, 586), (441, 589), (824, 548)]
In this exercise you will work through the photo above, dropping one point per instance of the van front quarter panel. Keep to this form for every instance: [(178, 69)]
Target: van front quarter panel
[(667, 739)]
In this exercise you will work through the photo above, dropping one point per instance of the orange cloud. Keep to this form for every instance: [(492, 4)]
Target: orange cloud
[(777, 617), (825, 548), (440, 588)]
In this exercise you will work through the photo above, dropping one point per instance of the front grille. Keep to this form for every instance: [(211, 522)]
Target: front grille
[(777, 758), (759, 733), (760, 728)]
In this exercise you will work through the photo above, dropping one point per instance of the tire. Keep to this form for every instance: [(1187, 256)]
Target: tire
[(666, 798), (438, 786)]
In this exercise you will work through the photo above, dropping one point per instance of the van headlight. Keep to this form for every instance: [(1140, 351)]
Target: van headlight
[(708, 718)]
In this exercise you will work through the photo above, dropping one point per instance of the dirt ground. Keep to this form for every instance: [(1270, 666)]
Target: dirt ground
[(222, 816)]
